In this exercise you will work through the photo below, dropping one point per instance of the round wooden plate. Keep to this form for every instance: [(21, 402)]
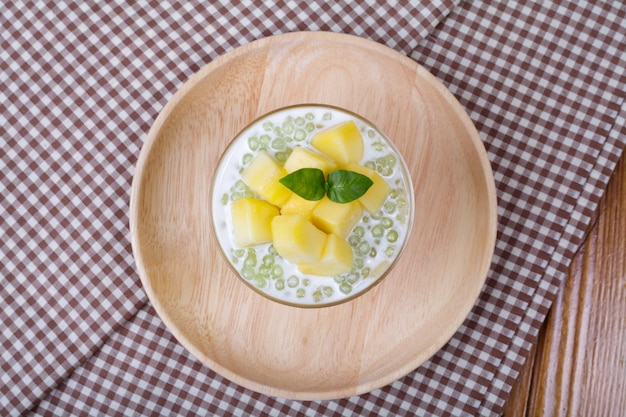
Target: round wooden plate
[(351, 348)]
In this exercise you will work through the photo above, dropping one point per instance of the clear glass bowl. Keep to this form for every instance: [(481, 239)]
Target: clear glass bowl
[(377, 240)]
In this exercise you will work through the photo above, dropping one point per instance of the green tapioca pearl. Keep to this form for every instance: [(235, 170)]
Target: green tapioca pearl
[(268, 260), (402, 192), (306, 282), (235, 196), (317, 295), (240, 186), (327, 116), (253, 143), (248, 273), (386, 222), (354, 240), (345, 288), (371, 133), (328, 291), (279, 144), (280, 284), (245, 160), (371, 165), (392, 236), (309, 116), (365, 272), (225, 199), (373, 253), (260, 281), (357, 263), (250, 260), (359, 231), (264, 140), (391, 160), (385, 171), (363, 248), (288, 126), (264, 270), (389, 251), (390, 206), (378, 230), (293, 281), (352, 278), (299, 121), (277, 271), (309, 127), (268, 126), (300, 135), (281, 156), (239, 252), (300, 293)]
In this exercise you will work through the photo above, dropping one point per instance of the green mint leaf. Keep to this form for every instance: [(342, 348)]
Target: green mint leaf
[(346, 186), (308, 183)]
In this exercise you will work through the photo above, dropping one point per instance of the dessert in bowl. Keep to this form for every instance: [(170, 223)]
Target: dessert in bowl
[(293, 244)]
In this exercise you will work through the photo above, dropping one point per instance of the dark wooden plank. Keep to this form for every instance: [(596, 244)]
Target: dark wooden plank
[(578, 366)]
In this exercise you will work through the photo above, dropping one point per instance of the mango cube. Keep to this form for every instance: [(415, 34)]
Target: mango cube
[(305, 158), (252, 219), (298, 205), (342, 143), (337, 218), (374, 198), (296, 239), (262, 177), (336, 258)]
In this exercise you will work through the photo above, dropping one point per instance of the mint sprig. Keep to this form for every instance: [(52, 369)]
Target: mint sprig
[(308, 183), (342, 186)]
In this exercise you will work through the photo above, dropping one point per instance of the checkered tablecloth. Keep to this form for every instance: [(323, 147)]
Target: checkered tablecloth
[(80, 85)]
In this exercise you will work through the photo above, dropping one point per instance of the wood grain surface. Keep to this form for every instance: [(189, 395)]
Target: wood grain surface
[(578, 367), (326, 352)]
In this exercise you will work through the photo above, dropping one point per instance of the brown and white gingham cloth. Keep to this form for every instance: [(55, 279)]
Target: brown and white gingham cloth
[(80, 85)]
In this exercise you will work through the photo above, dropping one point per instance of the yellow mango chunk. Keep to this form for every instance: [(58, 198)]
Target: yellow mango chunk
[(298, 205), (262, 177), (374, 198), (342, 143), (337, 218), (337, 257), (305, 158), (252, 220), (296, 239)]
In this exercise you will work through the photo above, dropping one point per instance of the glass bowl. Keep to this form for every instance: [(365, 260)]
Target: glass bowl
[(377, 239)]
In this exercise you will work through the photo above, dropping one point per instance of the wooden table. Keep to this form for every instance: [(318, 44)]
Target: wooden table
[(578, 365)]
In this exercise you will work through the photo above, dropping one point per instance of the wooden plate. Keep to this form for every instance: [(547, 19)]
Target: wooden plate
[(329, 352)]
